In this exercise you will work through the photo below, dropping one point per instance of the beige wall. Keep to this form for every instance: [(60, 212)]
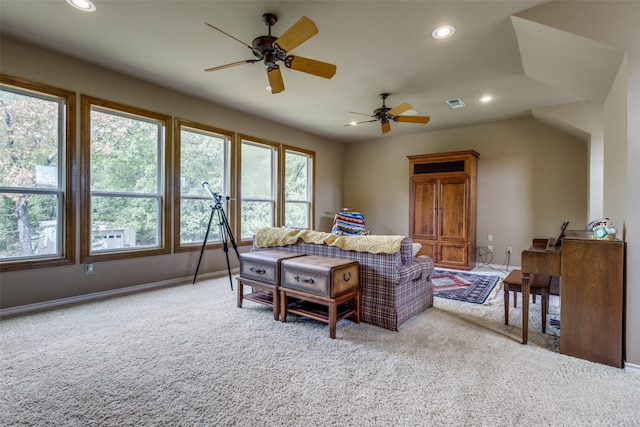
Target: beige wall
[(585, 120), (32, 286), (531, 177)]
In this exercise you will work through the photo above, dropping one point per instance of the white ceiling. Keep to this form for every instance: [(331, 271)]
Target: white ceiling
[(378, 46)]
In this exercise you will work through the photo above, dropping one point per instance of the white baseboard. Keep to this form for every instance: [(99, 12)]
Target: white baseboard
[(47, 305), (494, 267), (632, 368)]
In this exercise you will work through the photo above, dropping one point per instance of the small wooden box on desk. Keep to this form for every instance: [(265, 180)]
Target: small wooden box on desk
[(261, 271), (324, 289)]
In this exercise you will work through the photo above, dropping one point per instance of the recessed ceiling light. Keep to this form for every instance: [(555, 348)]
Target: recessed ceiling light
[(268, 88), (443, 32), (411, 112), (487, 98), (83, 5)]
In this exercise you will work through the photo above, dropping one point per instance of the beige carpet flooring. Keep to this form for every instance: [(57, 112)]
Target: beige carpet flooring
[(186, 356)]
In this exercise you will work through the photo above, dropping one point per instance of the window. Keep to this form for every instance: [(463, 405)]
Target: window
[(298, 186), (124, 161), (37, 128), (202, 155), (258, 187), (275, 193)]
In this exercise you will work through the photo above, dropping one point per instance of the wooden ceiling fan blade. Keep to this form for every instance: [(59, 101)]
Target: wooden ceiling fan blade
[(233, 64), (399, 109), (310, 66), (386, 127), (297, 34), (362, 114), (412, 119), (360, 123), (275, 79), (229, 35)]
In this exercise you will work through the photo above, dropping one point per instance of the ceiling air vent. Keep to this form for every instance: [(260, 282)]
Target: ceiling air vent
[(456, 103)]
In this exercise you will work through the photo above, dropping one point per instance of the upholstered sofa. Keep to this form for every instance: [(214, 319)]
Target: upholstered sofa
[(395, 284)]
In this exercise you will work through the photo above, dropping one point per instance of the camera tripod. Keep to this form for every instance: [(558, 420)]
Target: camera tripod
[(225, 231)]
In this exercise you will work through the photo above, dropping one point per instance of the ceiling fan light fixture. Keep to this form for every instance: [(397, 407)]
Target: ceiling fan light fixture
[(83, 5), (443, 32)]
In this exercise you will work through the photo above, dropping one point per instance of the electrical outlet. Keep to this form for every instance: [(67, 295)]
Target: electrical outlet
[(509, 249), (89, 269), (490, 247)]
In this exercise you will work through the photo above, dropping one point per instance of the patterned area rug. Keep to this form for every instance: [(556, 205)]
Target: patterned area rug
[(463, 286)]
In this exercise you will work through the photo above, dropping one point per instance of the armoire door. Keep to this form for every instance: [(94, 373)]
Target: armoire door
[(424, 210), (453, 210)]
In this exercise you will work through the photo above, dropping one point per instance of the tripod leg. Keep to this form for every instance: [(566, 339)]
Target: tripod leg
[(229, 233), (223, 236), (204, 244)]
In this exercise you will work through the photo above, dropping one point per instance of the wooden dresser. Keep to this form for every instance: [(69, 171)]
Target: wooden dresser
[(442, 207), (591, 300)]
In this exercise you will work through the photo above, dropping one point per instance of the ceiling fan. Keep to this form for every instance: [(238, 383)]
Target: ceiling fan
[(270, 49), (385, 115)]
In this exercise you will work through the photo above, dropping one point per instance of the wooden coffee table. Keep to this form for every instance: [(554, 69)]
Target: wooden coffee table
[(323, 309)]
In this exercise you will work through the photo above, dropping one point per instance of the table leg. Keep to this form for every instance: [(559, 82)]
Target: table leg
[(526, 289), (240, 291), (276, 303), (333, 314), (506, 304), (284, 300), (544, 307)]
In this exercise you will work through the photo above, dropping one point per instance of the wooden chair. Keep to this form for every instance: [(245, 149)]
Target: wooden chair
[(540, 285)]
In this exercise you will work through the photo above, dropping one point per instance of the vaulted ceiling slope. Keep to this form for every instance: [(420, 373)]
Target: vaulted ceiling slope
[(378, 47)]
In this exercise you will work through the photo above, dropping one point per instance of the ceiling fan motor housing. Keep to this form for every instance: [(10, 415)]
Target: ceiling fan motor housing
[(263, 49), (381, 112)]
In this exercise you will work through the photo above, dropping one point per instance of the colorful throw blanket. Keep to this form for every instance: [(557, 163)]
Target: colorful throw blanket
[(348, 224), (271, 236)]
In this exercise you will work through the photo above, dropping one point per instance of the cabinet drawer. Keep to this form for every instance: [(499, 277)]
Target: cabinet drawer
[(329, 277), (264, 266)]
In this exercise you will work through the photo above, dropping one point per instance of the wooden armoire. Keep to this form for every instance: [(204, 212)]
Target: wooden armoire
[(442, 207)]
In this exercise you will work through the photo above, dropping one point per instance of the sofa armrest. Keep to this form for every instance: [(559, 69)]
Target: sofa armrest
[(420, 266)]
